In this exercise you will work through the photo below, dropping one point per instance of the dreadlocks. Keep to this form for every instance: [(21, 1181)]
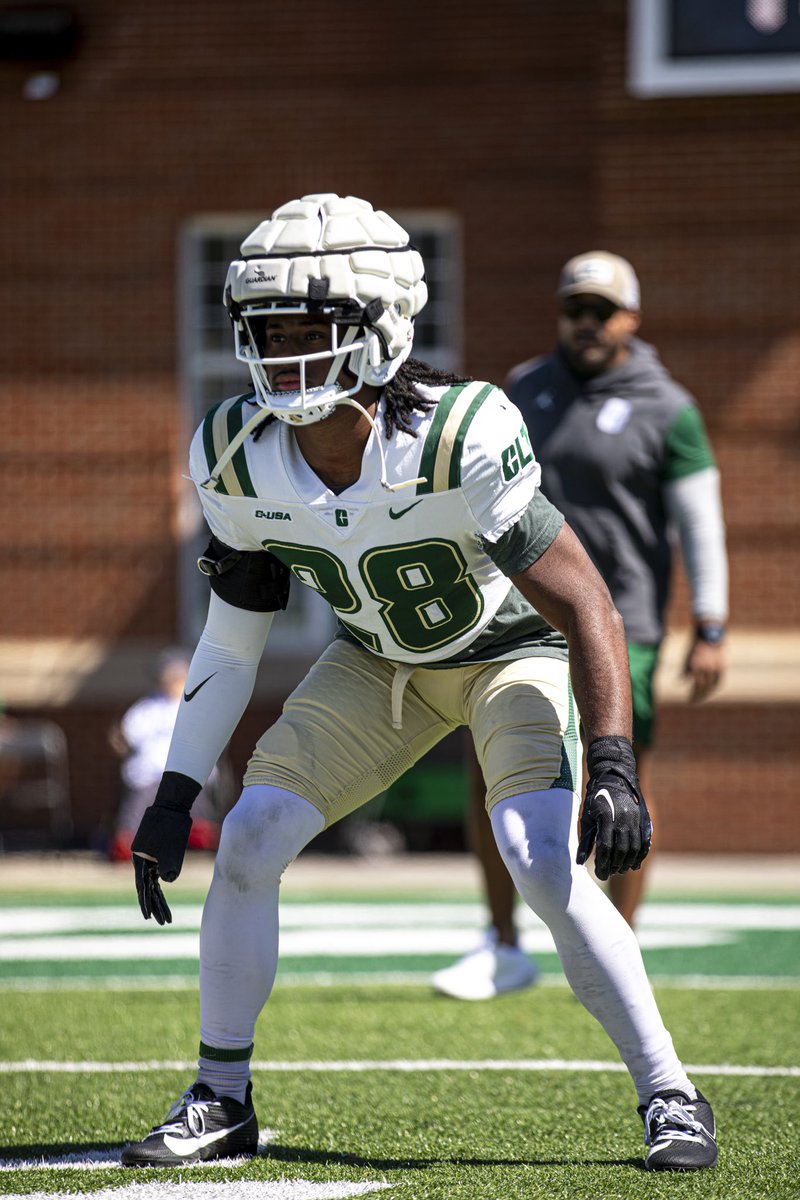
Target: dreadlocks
[(401, 397)]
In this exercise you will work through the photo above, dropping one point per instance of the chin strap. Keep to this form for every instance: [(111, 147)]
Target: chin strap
[(390, 487)]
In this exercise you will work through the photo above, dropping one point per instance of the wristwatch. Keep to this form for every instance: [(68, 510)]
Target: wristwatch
[(712, 632)]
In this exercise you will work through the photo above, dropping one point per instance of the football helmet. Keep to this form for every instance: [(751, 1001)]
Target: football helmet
[(334, 256)]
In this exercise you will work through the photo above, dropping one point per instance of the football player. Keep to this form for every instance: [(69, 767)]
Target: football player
[(409, 500)]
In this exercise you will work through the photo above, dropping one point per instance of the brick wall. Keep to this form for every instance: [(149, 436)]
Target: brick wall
[(724, 779), (515, 115)]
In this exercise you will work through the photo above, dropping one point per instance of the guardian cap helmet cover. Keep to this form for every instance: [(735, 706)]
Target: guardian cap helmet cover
[(334, 256)]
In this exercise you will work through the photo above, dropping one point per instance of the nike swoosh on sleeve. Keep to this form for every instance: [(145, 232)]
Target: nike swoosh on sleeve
[(191, 695), (604, 792)]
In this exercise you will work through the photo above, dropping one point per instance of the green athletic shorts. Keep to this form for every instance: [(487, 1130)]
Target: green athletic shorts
[(643, 661)]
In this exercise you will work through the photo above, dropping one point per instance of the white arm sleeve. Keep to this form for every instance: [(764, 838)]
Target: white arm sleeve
[(219, 685), (695, 505)]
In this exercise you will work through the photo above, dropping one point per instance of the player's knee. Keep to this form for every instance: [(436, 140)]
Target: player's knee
[(264, 831), (536, 851), (542, 876)]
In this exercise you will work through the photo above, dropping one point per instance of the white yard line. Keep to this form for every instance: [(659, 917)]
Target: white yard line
[(97, 1159), (233, 1189), (114, 934), (34, 1066), (318, 979), (353, 942), (32, 920)]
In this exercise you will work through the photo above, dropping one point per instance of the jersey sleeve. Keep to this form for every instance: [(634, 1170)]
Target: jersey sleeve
[(688, 449), (499, 473), (528, 539)]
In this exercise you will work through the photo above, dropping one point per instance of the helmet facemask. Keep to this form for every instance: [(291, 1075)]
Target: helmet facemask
[(354, 355)]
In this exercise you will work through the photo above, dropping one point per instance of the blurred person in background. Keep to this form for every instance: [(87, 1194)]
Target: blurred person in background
[(141, 739), (626, 458)]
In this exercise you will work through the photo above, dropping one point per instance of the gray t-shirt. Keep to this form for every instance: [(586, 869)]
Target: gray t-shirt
[(608, 446)]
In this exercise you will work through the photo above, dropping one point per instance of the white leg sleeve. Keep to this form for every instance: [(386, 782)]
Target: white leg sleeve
[(537, 837), (263, 832)]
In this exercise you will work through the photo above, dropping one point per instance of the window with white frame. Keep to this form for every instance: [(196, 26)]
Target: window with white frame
[(210, 373), (707, 47)]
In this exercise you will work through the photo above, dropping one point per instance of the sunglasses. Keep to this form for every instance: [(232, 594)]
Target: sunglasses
[(579, 306)]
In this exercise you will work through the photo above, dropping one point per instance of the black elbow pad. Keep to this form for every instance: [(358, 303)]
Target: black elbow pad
[(251, 579)]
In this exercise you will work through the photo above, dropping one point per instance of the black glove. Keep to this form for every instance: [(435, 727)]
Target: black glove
[(162, 838), (614, 817)]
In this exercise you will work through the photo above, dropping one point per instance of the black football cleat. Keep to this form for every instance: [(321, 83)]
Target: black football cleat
[(200, 1127), (678, 1132)]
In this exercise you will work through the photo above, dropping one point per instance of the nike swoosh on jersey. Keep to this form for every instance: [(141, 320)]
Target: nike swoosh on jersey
[(604, 792), (396, 515), (186, 1146), (191, 695)]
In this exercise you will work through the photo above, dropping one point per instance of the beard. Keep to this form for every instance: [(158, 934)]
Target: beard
[(589, 358)]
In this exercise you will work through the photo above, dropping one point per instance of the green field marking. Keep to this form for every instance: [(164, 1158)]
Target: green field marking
[(73, 945), (769, 952), (98, 968)]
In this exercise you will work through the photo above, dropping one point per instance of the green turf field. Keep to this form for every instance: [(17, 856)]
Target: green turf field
[(365, 1082)]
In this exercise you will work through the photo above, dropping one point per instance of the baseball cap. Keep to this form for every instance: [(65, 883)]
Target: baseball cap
[(599, 273)]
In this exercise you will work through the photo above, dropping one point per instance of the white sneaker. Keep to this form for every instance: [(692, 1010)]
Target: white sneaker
[(489, 970)]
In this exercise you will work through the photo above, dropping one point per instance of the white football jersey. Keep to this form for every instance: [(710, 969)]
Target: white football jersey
[(405, 571)]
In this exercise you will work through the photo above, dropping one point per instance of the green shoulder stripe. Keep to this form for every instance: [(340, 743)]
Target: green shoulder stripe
[(208, 444), (219, 429), (440, 463), (428, 458), (454, 476), (237, 416)]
